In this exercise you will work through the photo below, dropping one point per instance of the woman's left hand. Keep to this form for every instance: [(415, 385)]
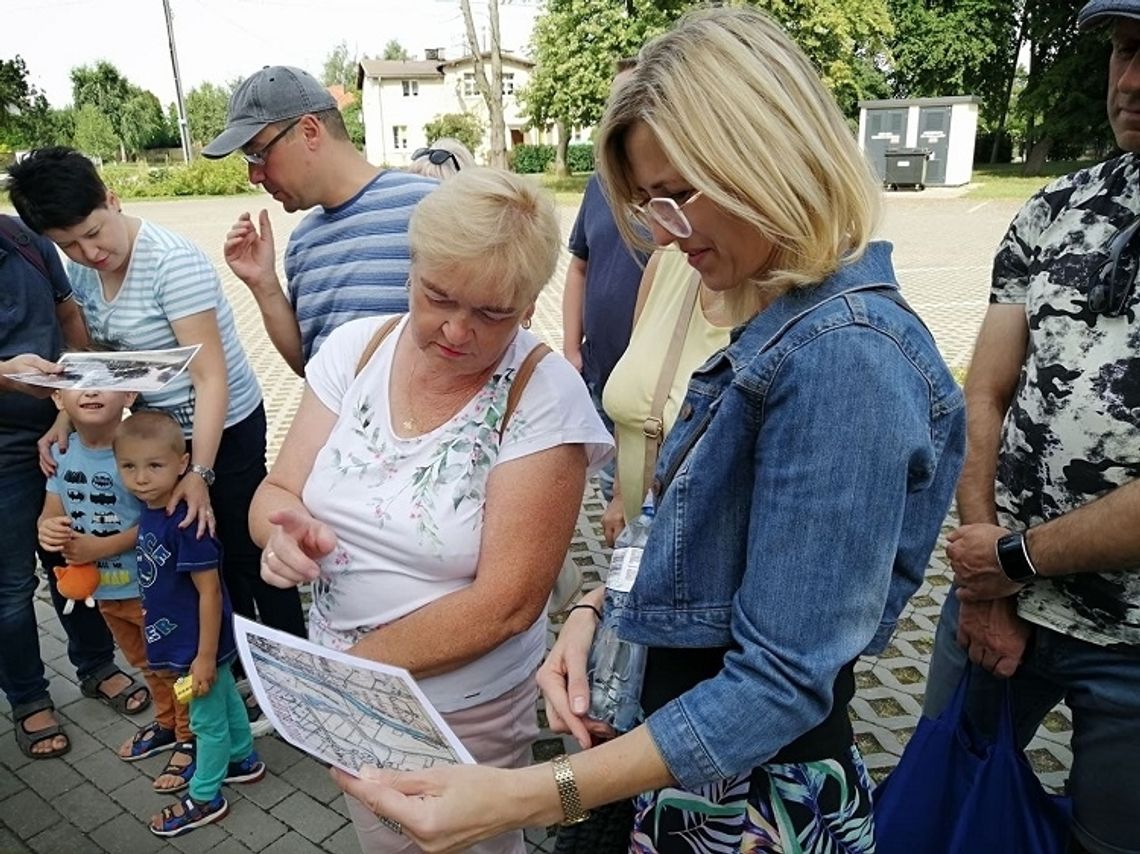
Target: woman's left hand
[(193, 490), (443, 809)]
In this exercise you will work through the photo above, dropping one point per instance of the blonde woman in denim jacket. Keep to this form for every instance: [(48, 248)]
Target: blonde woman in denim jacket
[(799, 494)]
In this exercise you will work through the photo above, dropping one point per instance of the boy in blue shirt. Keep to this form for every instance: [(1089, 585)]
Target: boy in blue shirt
[(90, 517), (189, 620)]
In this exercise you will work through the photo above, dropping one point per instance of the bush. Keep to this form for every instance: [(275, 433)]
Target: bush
[(580, 158), (531, 159), (201, 177)]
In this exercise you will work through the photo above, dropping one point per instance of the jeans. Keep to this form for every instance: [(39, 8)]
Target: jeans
[(239, 469), (1100, 684), (606, 473), (89, 643)]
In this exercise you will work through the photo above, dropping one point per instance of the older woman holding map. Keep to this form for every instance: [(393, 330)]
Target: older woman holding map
[(431, 479)]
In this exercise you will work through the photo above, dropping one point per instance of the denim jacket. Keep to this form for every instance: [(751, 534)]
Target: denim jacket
[(800, 494)]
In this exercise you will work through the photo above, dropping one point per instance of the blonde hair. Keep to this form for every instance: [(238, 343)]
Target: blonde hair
[(152, 425), (447, 169), (741, 114), (497, 227)]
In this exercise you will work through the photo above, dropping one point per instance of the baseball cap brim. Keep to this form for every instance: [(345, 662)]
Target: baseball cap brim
[(233, 138), (1100, 12)]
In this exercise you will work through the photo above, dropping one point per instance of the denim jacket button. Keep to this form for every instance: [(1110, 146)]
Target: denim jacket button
[(686, 411)]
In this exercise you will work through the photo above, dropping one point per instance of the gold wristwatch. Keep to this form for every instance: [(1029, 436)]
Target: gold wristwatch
[(568, 791)]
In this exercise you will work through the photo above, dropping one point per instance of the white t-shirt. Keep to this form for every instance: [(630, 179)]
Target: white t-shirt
[(408, 513)]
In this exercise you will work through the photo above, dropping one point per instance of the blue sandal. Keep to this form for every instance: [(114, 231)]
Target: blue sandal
[(194, 814), (183, 772), (150, 740)]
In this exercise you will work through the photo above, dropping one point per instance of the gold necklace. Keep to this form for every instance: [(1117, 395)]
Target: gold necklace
[(410, 423)]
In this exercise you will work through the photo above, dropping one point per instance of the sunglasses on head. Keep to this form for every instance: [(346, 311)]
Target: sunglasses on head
[(436, 156), (1111, 285)]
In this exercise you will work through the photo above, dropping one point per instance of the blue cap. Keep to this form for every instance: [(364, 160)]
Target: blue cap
[(1100, 11)]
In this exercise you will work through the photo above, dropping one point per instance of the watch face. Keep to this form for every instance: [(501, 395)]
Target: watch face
[(1013, 558)]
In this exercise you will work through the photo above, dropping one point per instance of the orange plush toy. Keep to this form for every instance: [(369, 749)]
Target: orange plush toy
[(77, 582)]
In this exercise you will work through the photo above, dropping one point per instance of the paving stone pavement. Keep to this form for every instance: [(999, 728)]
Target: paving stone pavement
[(89, 801)]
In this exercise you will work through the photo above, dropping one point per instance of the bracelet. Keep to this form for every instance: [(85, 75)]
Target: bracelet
[(568, 796), (597, 613)]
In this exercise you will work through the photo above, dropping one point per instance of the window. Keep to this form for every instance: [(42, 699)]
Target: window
[(508, 84), (469, 89), (399, 136), (411, 88)]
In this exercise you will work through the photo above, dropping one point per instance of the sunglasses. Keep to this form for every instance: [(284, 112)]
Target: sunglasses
[(436, 156), (258, 158), (1112, 283), (667, 213)]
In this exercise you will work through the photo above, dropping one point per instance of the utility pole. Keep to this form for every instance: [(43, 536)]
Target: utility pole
[(183, 127)]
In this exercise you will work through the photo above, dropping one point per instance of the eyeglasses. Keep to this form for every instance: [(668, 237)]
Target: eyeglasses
[(258, 158), (1111, 285), (667, 213), (436, 156)]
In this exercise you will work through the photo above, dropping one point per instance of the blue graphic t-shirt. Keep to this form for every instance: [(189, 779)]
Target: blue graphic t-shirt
[(166, 558), (87, 483)]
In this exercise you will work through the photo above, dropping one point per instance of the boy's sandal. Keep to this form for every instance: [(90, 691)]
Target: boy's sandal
[(151, 739), (26, 740), (120, 702), (174, 769), (191, 815)]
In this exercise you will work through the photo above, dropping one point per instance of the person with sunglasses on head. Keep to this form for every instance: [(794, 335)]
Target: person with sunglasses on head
[(1047, 559), (442, 159), (349, 257), (798, 496)]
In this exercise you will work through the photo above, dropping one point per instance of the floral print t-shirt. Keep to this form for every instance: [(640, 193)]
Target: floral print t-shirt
[(408, 512)]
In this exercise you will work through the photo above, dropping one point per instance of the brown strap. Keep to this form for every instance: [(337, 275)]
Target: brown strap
[(518, 384), (376, 340), (654, 426)]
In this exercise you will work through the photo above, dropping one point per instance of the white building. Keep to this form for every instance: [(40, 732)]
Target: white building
[(399, 97)]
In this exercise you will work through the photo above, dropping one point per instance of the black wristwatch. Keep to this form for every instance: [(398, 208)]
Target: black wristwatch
[(1013, 557)]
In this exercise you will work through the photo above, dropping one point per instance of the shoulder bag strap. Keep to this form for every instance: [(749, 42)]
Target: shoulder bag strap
[(654, 426), (375, 341), (17, 234), (518, 384)]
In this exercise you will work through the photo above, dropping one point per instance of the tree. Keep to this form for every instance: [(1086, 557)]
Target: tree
[(94, 133), (340, 68), (25, 117), (466, 127), (395, 50), (354, 122), (103, 87), (143, 123), (492, 90), (575, 45), (206, 107)]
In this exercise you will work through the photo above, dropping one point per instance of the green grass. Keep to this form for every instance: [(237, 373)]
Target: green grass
[(568, 190), (1005, 181)]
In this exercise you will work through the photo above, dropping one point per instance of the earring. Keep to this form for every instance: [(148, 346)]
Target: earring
[(526, 323), (408, 284)]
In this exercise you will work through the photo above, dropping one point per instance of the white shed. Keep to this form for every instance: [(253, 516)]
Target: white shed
[(946, 127)]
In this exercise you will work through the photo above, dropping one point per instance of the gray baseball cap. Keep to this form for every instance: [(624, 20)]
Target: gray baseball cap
[(1100, 11), (273, 94)]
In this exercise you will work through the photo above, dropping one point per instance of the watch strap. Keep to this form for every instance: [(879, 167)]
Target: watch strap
[(1013, 558), (571, 800), (204, 472)]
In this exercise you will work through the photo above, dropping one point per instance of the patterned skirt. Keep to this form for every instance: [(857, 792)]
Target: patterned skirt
[(810, 807)]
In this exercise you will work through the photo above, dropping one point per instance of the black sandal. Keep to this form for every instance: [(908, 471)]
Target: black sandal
[(27, 739), (120, 702)]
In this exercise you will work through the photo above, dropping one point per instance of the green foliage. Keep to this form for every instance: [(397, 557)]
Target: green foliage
[(354, 122), (143, 123), (340, 68), (395, 50), (206, 111), (25, 117), (94, 134), (201, 177), (466, 127), (533, 159)]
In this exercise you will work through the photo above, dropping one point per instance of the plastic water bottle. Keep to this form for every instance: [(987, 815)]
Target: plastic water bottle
[(617, 667)]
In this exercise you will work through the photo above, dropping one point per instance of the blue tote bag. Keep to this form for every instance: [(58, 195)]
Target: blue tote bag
[(956, 792)]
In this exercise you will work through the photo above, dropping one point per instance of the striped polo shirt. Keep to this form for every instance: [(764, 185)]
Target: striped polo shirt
[(352, 260), (168, 278)]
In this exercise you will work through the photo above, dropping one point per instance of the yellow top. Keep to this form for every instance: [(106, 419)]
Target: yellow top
[(628, 395)]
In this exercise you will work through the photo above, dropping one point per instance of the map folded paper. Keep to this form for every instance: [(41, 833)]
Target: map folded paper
[(346, 711), (123, 370)]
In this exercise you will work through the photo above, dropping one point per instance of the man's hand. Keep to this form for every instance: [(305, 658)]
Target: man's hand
[(993, 635), (972, 551), (250, 255)]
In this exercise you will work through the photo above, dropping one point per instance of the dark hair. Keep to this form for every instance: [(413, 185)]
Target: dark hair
[(152, 425), (333, 122), (55, 187)]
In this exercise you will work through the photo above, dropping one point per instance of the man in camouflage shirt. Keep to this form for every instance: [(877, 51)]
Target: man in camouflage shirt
[(1047, 560)]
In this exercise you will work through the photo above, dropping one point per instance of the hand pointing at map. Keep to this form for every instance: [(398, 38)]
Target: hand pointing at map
[(297, 542)]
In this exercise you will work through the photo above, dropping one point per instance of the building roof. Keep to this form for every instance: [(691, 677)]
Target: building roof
[(342, 97), (405, 69)]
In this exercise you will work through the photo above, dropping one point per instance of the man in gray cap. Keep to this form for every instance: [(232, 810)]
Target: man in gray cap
[(348, 258), (1047, 559)]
